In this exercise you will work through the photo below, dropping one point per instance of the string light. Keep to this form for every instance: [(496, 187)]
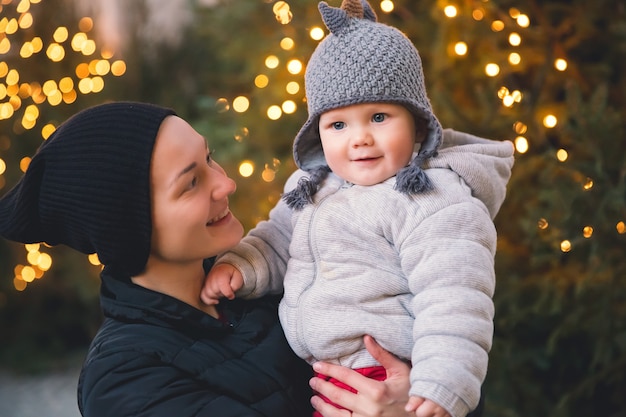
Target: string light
[(246, 168), (241, 104), (23, 98)]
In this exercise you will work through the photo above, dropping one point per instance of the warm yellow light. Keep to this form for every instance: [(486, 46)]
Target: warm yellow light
[(60, 34), (85, 24), (294, 66), (562, 155), (460, 48), (316, 33), (560, 64), (386, 6), (261, 81), (4, 68), (56, 98), (70, 97), (289, 106), (12, 78), (28, 274), (49, 87), (47, 130), (246, 168), (85, 85), (274, 112), (66, 84), (33, 257), (268, 174), (11, 27), (497, 25), (5, 46), (282, 12), (55, 52), (521, 144), (292, 87), (523, 20), (31, 113), (103, 67), (587, 231), (621, 228), (478, 14), (588, 185), (272, 61), (26, 21), (37, 44), (287, 43), (222, 105), (78, 40), (241, 134), (106, 53), (97, 84), (6, 111), (515, 39), (27, 50), (3, 166), (88, 47), (550, 121), (543, 224), (23, 6), (492, 69), (93, 259), (241, 104), (118, 68), (82, 70), (566, 246), (450, 11)]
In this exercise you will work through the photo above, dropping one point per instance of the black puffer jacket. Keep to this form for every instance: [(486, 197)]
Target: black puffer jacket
[(156, 356)]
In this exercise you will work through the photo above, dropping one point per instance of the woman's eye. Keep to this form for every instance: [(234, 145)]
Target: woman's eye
[(192, 183), (338, 125), (378, 117), (209, 157)]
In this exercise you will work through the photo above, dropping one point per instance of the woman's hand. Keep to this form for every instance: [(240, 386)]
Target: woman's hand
[(373, 398)]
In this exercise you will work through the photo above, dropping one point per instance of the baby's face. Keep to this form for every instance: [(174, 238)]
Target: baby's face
[(366, 144)]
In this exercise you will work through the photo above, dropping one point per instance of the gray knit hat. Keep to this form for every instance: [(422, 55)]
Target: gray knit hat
[(88, 186), (362, 61)]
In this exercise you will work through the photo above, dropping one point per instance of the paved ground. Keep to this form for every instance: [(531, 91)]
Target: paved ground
[(48, 395)]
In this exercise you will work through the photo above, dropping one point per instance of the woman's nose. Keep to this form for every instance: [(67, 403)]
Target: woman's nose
[(223, 185)]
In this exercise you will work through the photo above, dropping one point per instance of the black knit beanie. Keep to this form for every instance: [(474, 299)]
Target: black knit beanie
[(88, 186)]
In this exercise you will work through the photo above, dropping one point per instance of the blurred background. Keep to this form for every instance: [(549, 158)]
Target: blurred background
[(547, 75)]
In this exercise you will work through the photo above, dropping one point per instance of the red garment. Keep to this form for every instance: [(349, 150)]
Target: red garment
[(377, 373)]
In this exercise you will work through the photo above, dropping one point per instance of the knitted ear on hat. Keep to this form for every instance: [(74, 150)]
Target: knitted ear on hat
[(88, 186)]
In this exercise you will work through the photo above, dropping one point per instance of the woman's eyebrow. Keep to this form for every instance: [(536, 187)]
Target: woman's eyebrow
[(185, 170)]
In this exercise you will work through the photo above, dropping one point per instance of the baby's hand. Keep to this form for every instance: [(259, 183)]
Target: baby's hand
[(222, 281), (425, 408)]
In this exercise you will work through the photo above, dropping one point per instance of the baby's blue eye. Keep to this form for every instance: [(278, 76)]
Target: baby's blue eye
[(338, 125), (378, 117)]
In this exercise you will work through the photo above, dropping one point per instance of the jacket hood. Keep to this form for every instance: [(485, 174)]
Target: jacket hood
[(484, 164)]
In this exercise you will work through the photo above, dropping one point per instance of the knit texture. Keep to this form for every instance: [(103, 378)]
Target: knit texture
[(361, 61), (88, 186)]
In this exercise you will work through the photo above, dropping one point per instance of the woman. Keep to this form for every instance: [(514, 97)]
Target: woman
[(136, 184)]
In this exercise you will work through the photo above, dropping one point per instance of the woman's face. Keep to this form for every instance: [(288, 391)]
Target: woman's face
[(190, 215)]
